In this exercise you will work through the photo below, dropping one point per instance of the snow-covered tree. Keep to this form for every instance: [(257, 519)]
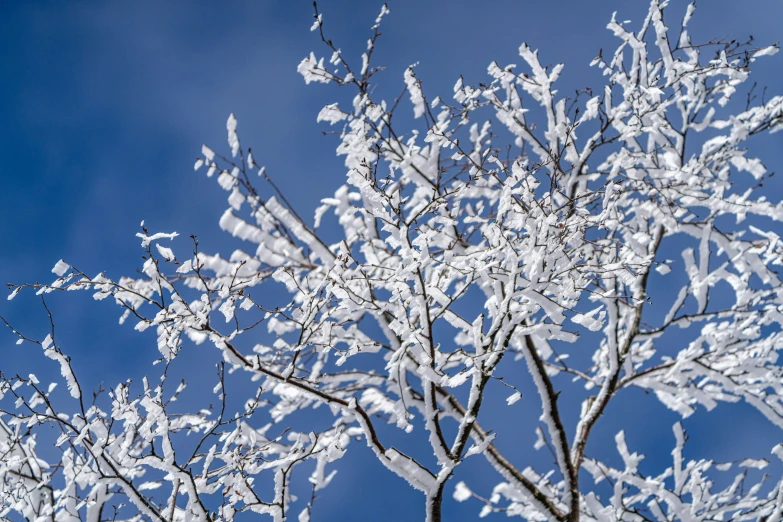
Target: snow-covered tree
[(472, 248)]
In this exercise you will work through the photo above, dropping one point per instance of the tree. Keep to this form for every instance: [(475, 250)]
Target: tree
[(459, 257)]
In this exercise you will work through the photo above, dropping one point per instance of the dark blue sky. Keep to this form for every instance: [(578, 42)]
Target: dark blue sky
[(105, 107)]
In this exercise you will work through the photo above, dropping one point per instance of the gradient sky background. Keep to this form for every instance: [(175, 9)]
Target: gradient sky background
[(105, 107)]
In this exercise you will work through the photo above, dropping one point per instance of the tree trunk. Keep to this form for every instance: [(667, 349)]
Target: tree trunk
[(434, 504)]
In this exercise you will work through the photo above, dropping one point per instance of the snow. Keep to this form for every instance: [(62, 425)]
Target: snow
[(461, 492), (146, 240), (513, 398), (60, 268), (447, 257)]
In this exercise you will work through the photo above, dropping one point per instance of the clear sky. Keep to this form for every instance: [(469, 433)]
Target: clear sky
[(104, 107)]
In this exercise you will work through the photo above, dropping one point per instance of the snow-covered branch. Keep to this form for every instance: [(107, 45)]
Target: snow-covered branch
[(440, 277)]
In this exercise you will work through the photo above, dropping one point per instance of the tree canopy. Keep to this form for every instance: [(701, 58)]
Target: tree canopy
[(503, 233)]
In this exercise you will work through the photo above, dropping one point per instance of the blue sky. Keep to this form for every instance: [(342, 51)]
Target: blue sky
[(105, 107)]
